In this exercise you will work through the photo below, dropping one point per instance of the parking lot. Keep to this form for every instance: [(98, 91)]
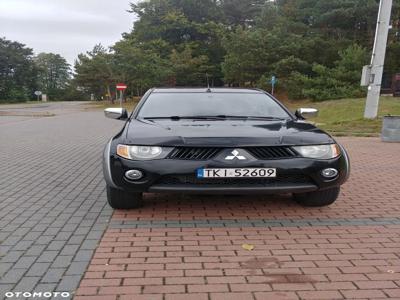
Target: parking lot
[(58, 234)]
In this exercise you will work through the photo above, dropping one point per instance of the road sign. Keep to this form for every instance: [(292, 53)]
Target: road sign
[(121, 86), (273, 82), (38, 93)]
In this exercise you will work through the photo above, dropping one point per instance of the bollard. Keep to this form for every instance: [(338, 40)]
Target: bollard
[(391, 129)]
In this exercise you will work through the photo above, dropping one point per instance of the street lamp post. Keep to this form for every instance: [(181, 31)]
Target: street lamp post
[(372, 74)]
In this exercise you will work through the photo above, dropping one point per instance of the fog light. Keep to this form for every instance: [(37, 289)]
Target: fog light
[(329, 173), (134, 174)]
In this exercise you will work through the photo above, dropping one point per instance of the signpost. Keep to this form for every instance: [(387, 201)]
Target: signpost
[(38, 93), (121, 87), (273, 82)]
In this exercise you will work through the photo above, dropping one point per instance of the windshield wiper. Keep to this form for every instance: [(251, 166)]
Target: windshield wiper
[(250, 117), (217, 117), (184, 117)]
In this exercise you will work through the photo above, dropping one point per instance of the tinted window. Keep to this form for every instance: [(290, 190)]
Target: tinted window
[(210, 104)]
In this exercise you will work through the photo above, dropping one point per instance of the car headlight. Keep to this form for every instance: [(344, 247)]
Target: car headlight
[(142, 152), (319, 151)]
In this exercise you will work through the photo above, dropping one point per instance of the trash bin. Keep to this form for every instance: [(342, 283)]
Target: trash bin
[(391, 129)]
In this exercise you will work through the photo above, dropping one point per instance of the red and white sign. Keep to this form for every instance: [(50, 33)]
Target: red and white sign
[(121, 86)]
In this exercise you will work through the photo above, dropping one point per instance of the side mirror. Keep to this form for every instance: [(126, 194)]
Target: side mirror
[(116, 113), (305, 113)]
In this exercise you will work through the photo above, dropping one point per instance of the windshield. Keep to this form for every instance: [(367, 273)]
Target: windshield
[(166, 105)]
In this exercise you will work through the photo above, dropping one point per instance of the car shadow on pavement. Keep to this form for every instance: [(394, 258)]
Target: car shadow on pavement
[(211, 201), (223, 207)]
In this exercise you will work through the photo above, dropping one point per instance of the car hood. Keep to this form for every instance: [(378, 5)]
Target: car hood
[(224, 133)]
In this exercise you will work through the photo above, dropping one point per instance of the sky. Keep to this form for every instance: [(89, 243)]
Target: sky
[(65, 27)]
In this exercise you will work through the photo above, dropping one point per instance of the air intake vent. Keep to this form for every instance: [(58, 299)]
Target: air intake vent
[(190, 179), (272, 152), (192, 153)]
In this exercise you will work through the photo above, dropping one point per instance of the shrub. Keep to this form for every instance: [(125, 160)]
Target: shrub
[(342, 81)]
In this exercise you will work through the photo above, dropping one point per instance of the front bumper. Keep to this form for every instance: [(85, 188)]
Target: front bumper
[(294, 175), (289, 188)]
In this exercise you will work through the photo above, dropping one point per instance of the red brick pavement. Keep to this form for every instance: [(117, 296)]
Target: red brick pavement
[(297, 262)]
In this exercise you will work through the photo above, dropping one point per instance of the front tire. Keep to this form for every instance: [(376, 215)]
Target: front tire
[(120, 199), (318, 198)]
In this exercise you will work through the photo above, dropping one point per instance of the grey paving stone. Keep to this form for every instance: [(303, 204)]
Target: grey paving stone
[(69, 283), (82, 230), (70, 227), (47, 256), (4, 250), (254, 223), (23, 245), (4, 288), (58, 208), (44, 240), (95, 234), (83, 255), (76, 219), (69, 250), (12, 256), (53, 275), (62, 261), (4, 267), (39, 227), (38, 269), (24, 262), (76, 239), (32, 235), (11, 241), (52, 231), (13, 276), (35, 250), (77, 268), (27, 284), (89, 244), (3, 235), (21, 231), (56, 245), (63, 236)]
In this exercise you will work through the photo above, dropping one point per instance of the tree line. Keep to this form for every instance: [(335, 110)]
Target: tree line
[(22, 73), (316, 48)]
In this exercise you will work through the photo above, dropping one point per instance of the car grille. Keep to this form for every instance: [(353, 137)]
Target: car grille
[(263, 153), (191, 179), (193, 153), (272, 152)]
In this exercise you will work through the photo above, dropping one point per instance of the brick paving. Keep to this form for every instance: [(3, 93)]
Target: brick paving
[(55, 228), (190, 247)]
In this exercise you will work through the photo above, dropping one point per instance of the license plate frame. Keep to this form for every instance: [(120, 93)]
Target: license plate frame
[(236, 173)]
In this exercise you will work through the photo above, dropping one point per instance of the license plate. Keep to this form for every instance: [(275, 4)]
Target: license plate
[(235, 173)]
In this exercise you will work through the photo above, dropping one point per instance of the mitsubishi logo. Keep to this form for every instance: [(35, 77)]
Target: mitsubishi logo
[(235, 154)]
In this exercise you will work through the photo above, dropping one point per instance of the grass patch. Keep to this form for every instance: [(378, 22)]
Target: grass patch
[(30, 102), (129, 105), (26, 114), (345, 117)]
